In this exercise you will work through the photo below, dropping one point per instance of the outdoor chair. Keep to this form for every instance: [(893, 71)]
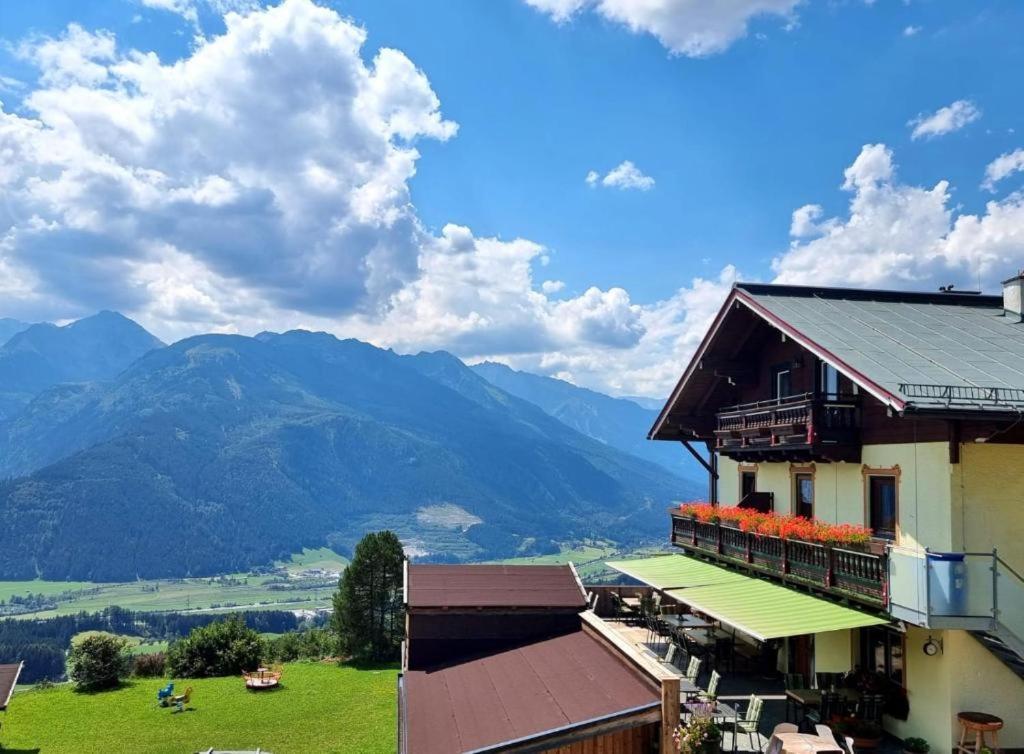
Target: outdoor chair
[(785, 728), (670, 655), (712, 689), (751, 721), (180, 701), (692, 670), (831, 705), (849, 745), (795, 681), (871, 706), (825, 732)]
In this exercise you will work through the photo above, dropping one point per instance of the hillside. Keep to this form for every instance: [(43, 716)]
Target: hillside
[(618, 422), (221, 452), (44, 355), (11, 327)]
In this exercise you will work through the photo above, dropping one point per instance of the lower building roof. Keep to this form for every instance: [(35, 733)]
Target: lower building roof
[(492, 586), (757, 607), (559, 684), (8, 680)]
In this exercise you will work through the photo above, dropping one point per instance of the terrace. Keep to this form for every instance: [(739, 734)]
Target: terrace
[(835, 571)]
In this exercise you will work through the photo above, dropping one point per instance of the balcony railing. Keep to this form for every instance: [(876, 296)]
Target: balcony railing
[(860, 576), (806, 422)]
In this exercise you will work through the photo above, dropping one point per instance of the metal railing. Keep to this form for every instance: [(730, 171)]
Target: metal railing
[(966, 394), (861, 576)]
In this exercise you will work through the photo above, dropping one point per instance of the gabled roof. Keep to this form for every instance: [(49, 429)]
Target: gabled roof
[(570, 682), (494, 586), (910, 350)]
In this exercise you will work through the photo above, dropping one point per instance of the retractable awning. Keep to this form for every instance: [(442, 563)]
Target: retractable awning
[(757, 607)]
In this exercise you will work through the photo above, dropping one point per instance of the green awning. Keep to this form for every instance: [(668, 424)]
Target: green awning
[(757, 607)]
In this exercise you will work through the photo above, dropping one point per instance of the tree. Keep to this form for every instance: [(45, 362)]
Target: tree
[(368, 604), (97, 661), (224, 647)]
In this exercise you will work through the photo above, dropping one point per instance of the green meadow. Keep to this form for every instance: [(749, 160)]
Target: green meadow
[(320, 707)]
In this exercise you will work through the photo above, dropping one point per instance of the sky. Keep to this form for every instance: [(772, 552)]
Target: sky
[(566, 186)]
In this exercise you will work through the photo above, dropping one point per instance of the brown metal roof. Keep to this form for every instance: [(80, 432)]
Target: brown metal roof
[(480, 586), (522, 693), (8, 678)]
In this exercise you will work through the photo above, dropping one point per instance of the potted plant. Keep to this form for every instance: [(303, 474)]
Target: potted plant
[(701, 736), (866, 735), (914, 745)]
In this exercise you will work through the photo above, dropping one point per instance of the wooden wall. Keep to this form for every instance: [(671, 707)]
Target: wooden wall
[(632, 741)]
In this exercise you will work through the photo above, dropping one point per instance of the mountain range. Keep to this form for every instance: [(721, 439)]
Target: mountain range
[(126, 458)]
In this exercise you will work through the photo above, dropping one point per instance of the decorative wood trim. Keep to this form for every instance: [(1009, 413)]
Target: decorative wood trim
[(866, 473)]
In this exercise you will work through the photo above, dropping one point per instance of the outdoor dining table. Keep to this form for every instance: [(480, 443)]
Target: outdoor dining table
[(804, 698), (716, 711), (802, 743), (686, 621)]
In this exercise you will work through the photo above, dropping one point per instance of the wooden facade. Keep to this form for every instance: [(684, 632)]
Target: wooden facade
[(640, 740)]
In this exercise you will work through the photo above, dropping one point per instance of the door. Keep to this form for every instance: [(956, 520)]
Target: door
[(803, 495), (882, 509)]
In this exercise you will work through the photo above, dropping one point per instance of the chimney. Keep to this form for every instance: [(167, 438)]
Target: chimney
[(1013, 296)]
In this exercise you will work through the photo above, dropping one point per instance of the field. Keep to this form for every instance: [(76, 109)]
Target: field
[(306, 582), (319, 708)]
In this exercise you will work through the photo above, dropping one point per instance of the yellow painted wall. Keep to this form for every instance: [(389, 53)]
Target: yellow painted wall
[(966, 676), (833, 652), (988, 500), (924, 494)]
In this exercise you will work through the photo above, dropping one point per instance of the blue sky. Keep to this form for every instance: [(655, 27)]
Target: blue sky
[(735, 141)]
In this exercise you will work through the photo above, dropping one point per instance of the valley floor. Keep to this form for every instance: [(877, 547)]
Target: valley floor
[(319, 708)]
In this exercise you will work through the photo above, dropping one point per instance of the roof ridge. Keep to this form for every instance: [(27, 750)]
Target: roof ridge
[(956, 298)]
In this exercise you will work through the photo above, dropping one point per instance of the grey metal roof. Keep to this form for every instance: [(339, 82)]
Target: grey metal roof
[(932, 351)]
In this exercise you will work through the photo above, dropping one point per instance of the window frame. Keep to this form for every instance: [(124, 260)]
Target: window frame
[(795, 473), (777, 372), (744, 469), (894, 473), (824, 370), (893, 638)]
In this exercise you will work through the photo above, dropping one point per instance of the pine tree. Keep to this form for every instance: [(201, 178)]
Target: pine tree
[(368, 613)]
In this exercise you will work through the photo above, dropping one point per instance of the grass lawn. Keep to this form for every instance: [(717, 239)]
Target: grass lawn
[(319, 708)]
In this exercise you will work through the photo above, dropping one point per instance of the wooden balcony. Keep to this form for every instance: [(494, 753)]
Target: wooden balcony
[(807, 427), (849, 574)]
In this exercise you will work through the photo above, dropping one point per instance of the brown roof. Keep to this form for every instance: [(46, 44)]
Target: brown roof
[(475, 586), (8, 678), (520, 693)]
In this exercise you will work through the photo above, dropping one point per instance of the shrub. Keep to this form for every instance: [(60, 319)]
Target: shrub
[(222, 648), (312, 644), (149, 665), (98, 661)]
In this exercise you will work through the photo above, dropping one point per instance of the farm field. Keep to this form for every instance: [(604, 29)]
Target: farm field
[(588, 557), (302, 583), (320, 707)]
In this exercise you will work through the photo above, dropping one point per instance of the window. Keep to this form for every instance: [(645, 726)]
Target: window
[(782, 382), (883, 650), (882, 508), (748, 482), (803, 494), (829, 381)]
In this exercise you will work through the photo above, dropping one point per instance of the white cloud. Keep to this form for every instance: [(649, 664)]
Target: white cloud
[(901, 235), (552, 286), (694, 28), (1002, 167), (623, 176), (911, 31), (189, 9), (945, 120), (273, 157)]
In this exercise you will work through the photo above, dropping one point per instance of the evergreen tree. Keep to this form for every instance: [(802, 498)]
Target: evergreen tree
[(368, 614)]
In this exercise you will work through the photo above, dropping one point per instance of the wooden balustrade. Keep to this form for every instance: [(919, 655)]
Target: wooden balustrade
[(861, 576)]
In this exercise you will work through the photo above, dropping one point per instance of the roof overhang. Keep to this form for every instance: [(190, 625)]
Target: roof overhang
[(739, 297)]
